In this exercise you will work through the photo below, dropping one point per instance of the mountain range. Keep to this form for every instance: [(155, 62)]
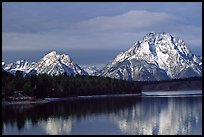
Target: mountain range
[(51, 64), (159, 56)]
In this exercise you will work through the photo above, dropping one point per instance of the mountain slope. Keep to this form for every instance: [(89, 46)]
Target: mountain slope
[(51, 64), (159, 56), (20, 65), (91, 70), (55, 64)]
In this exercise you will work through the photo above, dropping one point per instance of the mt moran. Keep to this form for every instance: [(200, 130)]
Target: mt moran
[(159, 56)]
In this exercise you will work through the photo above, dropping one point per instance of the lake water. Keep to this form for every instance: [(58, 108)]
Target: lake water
[(112, 115)]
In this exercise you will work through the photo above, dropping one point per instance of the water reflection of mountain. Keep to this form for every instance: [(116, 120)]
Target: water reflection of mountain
[(59, 117), (133, 115), (161, 116), (56, 126)]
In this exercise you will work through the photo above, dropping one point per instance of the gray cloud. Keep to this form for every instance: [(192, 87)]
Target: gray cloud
[(35, 17), (131, 20), (106, 32)]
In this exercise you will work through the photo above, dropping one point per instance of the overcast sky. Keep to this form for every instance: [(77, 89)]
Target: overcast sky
[(68, 26)]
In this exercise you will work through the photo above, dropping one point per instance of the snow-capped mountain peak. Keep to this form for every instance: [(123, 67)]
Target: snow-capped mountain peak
[(169, 56), (53, 56), (51, 53), (20, 65), (3, 63), (52, 64), (55, 64)]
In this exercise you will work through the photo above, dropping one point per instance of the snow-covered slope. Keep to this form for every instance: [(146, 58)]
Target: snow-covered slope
[(159, 56), (20, 65), (51, 64), (91, 70), (55, 64)]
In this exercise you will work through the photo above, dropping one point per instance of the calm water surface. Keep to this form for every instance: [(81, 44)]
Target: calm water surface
[(113, 115)]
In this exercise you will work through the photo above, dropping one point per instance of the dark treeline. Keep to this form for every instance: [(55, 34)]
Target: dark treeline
[(195, 78), (43, 85)]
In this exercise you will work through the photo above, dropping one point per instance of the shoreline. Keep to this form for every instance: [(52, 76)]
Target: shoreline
[(47, 100), (89, 97), (38, 101), (172, 93), (142, 94)]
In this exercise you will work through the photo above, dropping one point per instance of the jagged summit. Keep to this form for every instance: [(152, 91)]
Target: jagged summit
[(167, 56), (20, 65), (52, 64), (51, 53), (53, 57)]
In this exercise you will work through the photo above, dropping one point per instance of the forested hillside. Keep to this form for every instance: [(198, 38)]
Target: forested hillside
[(43, 85)]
